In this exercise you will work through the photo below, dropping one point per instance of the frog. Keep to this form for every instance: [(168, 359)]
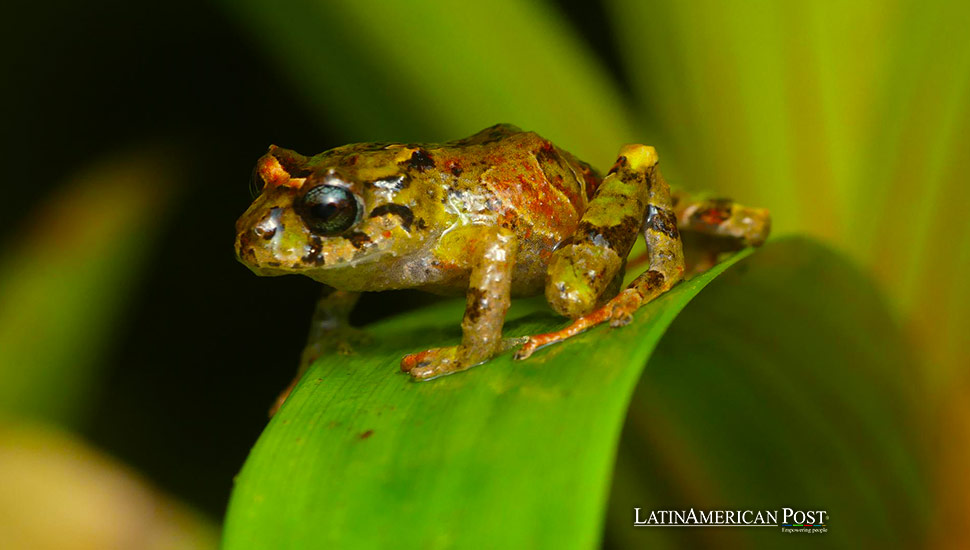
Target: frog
[(499, 214)]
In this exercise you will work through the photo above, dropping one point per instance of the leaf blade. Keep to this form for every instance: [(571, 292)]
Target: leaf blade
[(520, 455), (531, 450)]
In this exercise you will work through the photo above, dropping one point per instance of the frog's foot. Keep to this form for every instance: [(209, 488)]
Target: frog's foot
[(579, 325), (618, 311), (432, 363), (623, 306)]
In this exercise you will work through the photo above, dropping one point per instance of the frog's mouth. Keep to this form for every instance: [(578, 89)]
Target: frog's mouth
[(248, 255)]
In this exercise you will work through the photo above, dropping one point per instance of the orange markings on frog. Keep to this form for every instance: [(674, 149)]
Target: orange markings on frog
[(714, 216), (275, 175)]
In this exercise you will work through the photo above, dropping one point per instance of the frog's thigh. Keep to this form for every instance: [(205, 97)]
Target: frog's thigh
[(487, 298), (581, 272), (714, 226), (666, 257)]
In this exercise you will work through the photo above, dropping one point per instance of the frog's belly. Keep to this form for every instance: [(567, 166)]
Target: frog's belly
[(528, 275), (527, 280), (424, 271)]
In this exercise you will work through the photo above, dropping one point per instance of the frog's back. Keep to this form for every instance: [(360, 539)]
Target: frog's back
[(499, 177), (531, 185), (527, 184)]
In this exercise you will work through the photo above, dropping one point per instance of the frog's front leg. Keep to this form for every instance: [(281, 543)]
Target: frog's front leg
[(633, 196), (487, 300), (330, 330)]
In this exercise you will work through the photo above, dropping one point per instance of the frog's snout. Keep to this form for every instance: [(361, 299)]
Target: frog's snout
[(267, 227), (254, 232)]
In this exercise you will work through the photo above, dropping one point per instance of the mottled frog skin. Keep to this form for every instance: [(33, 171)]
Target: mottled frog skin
[(501, 213)]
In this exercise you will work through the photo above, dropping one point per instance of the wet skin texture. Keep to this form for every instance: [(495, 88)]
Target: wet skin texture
[(501, 213)]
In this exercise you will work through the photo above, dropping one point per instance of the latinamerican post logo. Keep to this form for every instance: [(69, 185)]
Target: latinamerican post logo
[(790, 520)]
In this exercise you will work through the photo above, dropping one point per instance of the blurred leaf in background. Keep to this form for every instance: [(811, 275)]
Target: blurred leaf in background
[(848, 120), (63, 286), (63, 292), (438, 70), (769, 391), (59, 493)]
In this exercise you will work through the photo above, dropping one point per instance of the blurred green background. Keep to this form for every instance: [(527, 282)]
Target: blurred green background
[(128, 330)]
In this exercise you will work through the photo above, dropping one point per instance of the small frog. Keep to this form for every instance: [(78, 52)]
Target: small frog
[(499, 214)]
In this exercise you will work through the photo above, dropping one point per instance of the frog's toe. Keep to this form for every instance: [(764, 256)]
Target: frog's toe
[(429, 371), (408, 362), (623, 306), (431, 363), (528, 348), (621, 316), (620, 320)]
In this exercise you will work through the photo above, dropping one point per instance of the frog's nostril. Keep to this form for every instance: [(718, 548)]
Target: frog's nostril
[(267, 227), (264, 232)]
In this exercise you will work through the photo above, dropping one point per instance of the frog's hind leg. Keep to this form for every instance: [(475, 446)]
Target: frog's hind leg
[(712, 226), (634, 190), (722, 218)]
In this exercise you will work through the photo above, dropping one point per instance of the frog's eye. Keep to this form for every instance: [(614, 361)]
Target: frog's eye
[(256, 182), (329, 209)]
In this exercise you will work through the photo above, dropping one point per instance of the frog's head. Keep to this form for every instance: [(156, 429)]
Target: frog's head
[(321, 215)]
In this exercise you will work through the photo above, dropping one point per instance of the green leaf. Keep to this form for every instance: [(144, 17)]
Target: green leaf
[(519, 454), (509, 454)]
